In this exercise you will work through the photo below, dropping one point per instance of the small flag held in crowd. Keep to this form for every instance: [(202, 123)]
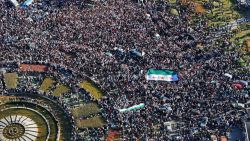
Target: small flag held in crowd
[(137, 53), (161, 75), (23, 5), (237, 86), (15, 3), (27, 3), (135, 107), (244, 82), (157, 36), (228, 75)]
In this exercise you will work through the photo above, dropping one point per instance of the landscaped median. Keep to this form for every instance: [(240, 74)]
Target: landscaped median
[(87, 115), (93, 122), (85, 110), (60, 89), (10, 80), (92, 88), (46, 84)]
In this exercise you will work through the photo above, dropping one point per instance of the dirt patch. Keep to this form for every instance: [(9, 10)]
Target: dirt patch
[(199, 8), (247, 43), (113, 136)]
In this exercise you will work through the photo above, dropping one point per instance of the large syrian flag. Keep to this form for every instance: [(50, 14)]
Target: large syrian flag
[(161, 75)]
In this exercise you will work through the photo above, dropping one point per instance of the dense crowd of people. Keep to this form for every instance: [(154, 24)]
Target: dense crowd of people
[(96, 40)]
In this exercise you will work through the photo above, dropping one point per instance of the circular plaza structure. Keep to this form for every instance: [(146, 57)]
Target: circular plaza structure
[(41, 105), (18, 127), (26, 121)]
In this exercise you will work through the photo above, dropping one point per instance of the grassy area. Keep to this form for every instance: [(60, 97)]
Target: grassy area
[(247, 43), (223, 12), (171, 1), (60, 89), (244, 60), (94, 122), (90, 87), (241, 35), (10, 80), (174, 11), (86, 110), (47, 83), (242, 39), (245, 51)]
